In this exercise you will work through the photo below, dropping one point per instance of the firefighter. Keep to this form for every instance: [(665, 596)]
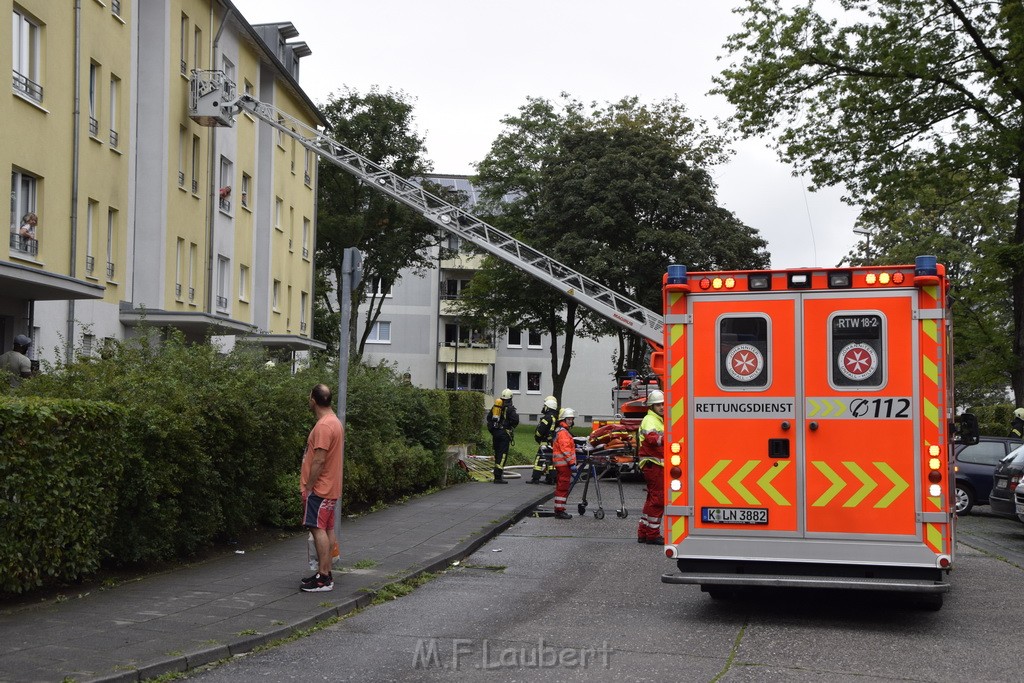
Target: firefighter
[(1017, 428), (543, 435), (651, 435), (563, 455), (502, 421)]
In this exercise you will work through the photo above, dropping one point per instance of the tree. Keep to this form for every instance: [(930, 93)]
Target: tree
[(390, 235), (615, 193), (897, 95)]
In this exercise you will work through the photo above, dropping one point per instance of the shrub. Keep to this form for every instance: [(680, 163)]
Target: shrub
[(994, 420)]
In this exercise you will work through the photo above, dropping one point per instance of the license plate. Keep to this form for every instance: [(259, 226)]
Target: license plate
[(734, 515), (1000, 483)]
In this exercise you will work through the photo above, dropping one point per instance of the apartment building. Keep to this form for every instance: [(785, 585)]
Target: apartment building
[(419, 332), (145, 216)]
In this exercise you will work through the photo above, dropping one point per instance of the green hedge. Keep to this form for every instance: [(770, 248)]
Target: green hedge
[(467, 415), (211, 445), (61, 467), (994, 420)]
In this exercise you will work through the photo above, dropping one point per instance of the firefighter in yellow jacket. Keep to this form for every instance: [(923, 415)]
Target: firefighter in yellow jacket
[(543, 435), (651, 437), (563, 455)]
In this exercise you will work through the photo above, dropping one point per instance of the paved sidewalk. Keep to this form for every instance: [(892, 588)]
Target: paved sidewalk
[(199, 614)]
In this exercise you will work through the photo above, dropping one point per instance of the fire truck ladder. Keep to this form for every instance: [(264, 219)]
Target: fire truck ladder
[(214, 101)]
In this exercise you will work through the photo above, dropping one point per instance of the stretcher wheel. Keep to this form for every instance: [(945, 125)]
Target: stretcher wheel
[(582, 509), (598, 513), (622, 514)]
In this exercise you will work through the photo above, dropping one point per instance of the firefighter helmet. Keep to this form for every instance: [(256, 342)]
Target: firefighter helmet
[(566, 414), (655, 397), (1019, 413), (551, 402), (506, 394)]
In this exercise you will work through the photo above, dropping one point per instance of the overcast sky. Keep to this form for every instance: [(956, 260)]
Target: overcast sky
[(468, 63)]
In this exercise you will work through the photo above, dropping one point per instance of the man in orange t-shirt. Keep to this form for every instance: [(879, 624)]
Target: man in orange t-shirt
[(321, 484)]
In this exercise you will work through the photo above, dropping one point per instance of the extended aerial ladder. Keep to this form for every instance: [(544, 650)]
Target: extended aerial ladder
[(214, 101)]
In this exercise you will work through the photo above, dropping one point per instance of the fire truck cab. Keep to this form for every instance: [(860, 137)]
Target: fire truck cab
[(807, 429)]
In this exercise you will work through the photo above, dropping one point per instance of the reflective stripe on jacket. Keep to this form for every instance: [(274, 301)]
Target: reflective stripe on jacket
[(651, 436), (563, 449)]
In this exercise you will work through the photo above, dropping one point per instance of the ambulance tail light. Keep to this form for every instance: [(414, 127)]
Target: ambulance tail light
[(934, 470), (944, 561)]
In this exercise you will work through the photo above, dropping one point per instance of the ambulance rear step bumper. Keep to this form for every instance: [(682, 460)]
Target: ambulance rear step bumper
[(772, 581), (808, 575)]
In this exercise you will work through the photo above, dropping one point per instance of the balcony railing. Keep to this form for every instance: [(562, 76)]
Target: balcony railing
[(181, 179), (222, 303), (94, 126), (90, 264), (115, 7), (177, 290), (28, 87), (191, 293), (184, 68), (225, 204), (113, 138), (24, 245), (305, 252), (302, 327), (195, 186), (110, 270), (306, 177)]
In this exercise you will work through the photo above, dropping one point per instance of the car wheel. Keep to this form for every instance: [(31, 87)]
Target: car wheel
[(964, 499)]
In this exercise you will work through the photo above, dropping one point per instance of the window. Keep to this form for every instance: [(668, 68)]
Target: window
[(111, 241), (88, 341), (533, 339), (303, 303), (195, 165), (278, 210), (472, 382), (223, 282), (192, 271), (115, 86), (291, 227), (533, 382), (94, 85), (243, 283), (179, 256), (512, 380), (182, 138), (467, 336), (307, 174), (25, 41), (451, 289), (276, 294), (90, 236), (23, 201), (306, 229), (858, 350), (744, 353), (294, 147), (248, 89), (227, 175), (288, 309), (184, 45), (280, 132), (380, 333), (515, 338), (983, 453), (376, 288), (246, 183), (229, 69), (197, 49)]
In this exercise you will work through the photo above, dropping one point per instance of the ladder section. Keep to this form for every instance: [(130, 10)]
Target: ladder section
[(213, 102)]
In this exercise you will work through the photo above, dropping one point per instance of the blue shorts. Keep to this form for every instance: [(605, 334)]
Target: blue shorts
[(319, 512)]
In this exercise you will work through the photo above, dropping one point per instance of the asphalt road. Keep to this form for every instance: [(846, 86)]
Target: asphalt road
[(581, 600)]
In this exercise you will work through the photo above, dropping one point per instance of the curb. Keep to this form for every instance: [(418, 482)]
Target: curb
[(197, 658)]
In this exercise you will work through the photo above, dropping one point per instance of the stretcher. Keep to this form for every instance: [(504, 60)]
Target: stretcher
[(597, 465)]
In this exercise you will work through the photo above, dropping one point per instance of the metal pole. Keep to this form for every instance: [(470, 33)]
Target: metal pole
[(345, 286)]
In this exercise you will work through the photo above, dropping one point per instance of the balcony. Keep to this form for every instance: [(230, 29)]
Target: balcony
[(26, 86), (464, 261), (468, 353), (24, 245)]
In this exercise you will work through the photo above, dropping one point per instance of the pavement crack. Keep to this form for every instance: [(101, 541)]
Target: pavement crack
[(733, 651)]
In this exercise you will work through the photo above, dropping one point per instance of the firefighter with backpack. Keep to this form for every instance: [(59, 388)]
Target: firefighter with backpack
[(502, 421), (543, 435)]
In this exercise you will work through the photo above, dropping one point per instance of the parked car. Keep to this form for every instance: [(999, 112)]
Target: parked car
[(975, 466), (1005, 479), (1018, 497)]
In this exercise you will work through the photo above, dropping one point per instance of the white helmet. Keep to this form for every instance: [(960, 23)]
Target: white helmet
[(506, 394), (1019, 413), (566, 414), (551, 402), (655, 397)]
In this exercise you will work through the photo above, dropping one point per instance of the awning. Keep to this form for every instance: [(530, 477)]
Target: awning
[(469, 368), (32, 284)]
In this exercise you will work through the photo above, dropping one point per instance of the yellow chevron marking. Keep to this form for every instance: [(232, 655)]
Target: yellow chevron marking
[(678, 411), (674, 297), (930, 328), (935, 501), (814, 407), (932, 291), (678, 529), (736, 482), (867, 485), (935, 537), (899, 485), (765, 482), (678, 370), (708, 481), (930, 370), (840, 408), (931, 412), (837, 484), (675, 333)]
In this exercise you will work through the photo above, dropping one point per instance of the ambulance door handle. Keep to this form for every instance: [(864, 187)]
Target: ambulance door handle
[(814, 426), (785, 426)]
